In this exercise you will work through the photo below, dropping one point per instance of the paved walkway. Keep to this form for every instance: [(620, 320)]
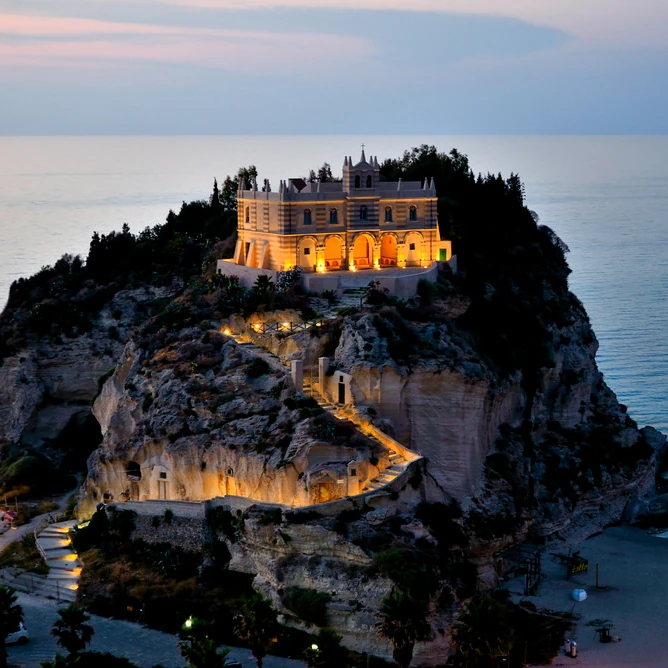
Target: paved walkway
[(11, 535), (144, 647)]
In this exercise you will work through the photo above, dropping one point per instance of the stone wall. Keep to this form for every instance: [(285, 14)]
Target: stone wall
[(186, 529), (246, 275)]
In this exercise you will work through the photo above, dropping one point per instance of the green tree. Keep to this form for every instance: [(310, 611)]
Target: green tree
[(404, 622), (198, 648), (325, 173), (256, 625), (11, 614), (327, 651), (263, 286), (214, 200), (71, 631), (483, 633)]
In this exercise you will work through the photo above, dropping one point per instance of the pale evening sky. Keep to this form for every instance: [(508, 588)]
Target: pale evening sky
[(333, 66)]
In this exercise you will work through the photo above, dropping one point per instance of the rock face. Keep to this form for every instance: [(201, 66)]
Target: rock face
[(189, 415), (48, 386), (201, 418), (451, 406)]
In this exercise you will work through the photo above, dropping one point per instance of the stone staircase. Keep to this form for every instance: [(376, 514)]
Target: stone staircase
[(396, 467), (397, 462), (55, 546), (351, 299)]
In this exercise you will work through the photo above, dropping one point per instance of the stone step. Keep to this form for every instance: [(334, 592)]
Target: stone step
[(58, 573), (55, 552), (54, 533)]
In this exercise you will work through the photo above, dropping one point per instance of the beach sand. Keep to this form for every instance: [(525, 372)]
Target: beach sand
[(633, 575)]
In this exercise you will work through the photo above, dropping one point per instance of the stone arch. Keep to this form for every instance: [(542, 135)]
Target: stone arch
[(388, 249), (363, 251), (306, 253), (333, 252), (413, 243)]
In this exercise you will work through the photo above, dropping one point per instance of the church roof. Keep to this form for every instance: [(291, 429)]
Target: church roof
[(364, 164)]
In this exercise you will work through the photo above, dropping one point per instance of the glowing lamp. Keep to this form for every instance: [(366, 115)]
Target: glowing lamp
[(227, 331)]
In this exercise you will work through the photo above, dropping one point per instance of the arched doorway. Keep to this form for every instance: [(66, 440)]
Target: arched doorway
[(306, 254), (363, 252), (333, 253), (388, 250), (413, 250)]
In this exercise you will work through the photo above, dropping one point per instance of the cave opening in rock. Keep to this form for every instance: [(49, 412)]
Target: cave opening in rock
[(133, 471), (80, 436)]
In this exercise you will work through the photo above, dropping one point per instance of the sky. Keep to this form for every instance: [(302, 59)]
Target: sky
[(333, 66)]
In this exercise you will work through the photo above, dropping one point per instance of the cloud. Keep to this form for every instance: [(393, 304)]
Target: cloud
[(606, 22), (55, 42)]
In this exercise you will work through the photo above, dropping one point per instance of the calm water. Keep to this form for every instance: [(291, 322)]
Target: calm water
[(607, 197)]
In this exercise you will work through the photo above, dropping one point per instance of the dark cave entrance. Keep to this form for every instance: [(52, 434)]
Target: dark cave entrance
[(81, 435)]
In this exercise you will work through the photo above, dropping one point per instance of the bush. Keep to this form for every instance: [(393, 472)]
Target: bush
[(308, 604)]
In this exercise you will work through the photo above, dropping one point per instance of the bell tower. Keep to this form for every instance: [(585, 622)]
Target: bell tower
[(362, 176)]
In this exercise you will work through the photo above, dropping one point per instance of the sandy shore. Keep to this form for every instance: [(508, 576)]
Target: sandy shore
[(633, 574)]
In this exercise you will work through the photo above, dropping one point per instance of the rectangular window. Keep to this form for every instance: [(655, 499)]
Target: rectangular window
[(353, 472), (163, 475), (411, 246), (307, 251)]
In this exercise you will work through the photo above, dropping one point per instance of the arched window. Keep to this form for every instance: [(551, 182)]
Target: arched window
[(412, 213), (307, 216), (364, 213), (333, 216), (358, 182), (248, 214), (388, 214), (369, 182)]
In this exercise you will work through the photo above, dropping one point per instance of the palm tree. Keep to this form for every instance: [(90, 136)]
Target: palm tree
[(256, 624), (71, 631), (404, 622), (482, 633), (197, 648), (11, 615)]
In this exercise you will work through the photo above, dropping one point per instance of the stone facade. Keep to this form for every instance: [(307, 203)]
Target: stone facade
[(358, 223)]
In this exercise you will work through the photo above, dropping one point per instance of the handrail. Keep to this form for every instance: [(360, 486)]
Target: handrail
[(41, 525)]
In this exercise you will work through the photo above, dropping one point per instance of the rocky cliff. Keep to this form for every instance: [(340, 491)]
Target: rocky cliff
[(47, 388)]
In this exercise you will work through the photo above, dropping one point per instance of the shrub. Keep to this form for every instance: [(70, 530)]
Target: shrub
[(308, 604)]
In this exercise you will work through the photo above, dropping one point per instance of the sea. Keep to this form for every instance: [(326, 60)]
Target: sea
[(605, 196)]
